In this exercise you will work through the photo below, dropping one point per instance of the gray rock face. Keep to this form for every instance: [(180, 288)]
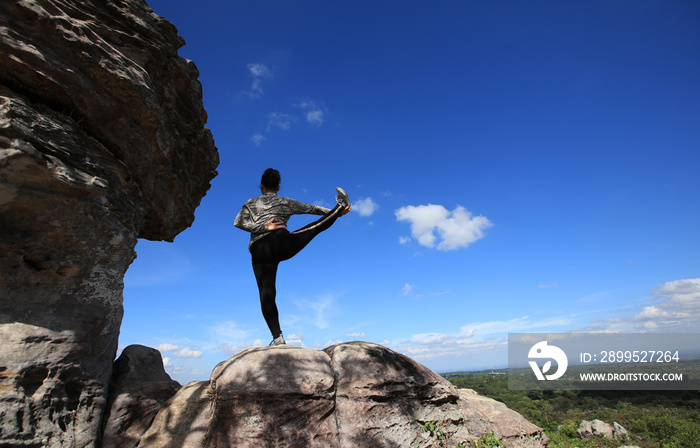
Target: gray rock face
[(386, 396), (183, 421), (349, 395), (588, 430), (102, 141), (275, 397), (484, 415), (619, 431), (138, 389), (600, 428), (585, 430)]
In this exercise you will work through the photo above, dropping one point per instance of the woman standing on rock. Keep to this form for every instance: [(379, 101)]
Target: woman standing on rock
[(265, 217)]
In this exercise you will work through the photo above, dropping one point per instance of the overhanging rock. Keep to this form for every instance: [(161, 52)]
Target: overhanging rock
[(102, 142)]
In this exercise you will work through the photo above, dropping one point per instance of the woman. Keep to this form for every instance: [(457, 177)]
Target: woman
[(265, 217)]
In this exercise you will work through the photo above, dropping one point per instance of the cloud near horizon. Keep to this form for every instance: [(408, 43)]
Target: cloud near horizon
[(452, 348), (675, 307), (456, 229), (357, 334), (178, 351)]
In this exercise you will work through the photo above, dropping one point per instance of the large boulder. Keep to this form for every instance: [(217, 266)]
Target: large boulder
[(183, 421), (484, 415), (381, 395), (102, 142), (619, 431), (352, 395), (138, 389), (274, 397), (598, 428)]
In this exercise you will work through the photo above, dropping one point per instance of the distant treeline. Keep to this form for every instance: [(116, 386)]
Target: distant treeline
[(654, 419)]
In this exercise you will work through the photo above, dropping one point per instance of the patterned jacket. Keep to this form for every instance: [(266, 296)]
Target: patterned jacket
[(256, 212)]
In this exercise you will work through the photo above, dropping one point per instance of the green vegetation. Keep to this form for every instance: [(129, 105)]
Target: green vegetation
[(654, 419), (435, 430), (488, 440)]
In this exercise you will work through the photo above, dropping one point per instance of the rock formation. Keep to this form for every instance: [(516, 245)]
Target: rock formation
[(138, 389), (598, 428), (102, 141), (352, 395)]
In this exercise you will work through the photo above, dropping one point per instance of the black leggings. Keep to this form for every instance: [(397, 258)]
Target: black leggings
[(275, 247)]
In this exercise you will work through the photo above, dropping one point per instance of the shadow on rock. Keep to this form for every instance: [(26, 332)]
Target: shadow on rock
[(356, 394)]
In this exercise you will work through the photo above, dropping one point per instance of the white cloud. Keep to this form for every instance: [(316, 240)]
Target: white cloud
[(408, 291), (297, 340), (431, 338), (515, 325), (315, 117), (323, 308), (258, 139), (602, 296), (187, 353), (481, 342), (451, 348), (258, 72), (683, 290), (365, 206), (455, 229), (256, 90), (474, 345), (232, 349), (315, 113), (229, 332), (358, 334), (167, 362), (675, 307), (678, 306), (166, 347), (279, 120), (652, 312), (178, 351)]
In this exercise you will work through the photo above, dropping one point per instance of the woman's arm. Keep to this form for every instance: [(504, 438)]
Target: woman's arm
[(301, 208), (244, 222)]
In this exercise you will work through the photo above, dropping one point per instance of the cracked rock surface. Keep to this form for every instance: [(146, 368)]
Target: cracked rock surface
[(102, 142), (349, 395)]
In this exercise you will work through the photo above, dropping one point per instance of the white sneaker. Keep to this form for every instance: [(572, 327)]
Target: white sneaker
[(342, 198), (279, 340)]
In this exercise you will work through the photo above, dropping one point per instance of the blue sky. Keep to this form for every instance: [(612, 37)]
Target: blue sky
[(514, 167)]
